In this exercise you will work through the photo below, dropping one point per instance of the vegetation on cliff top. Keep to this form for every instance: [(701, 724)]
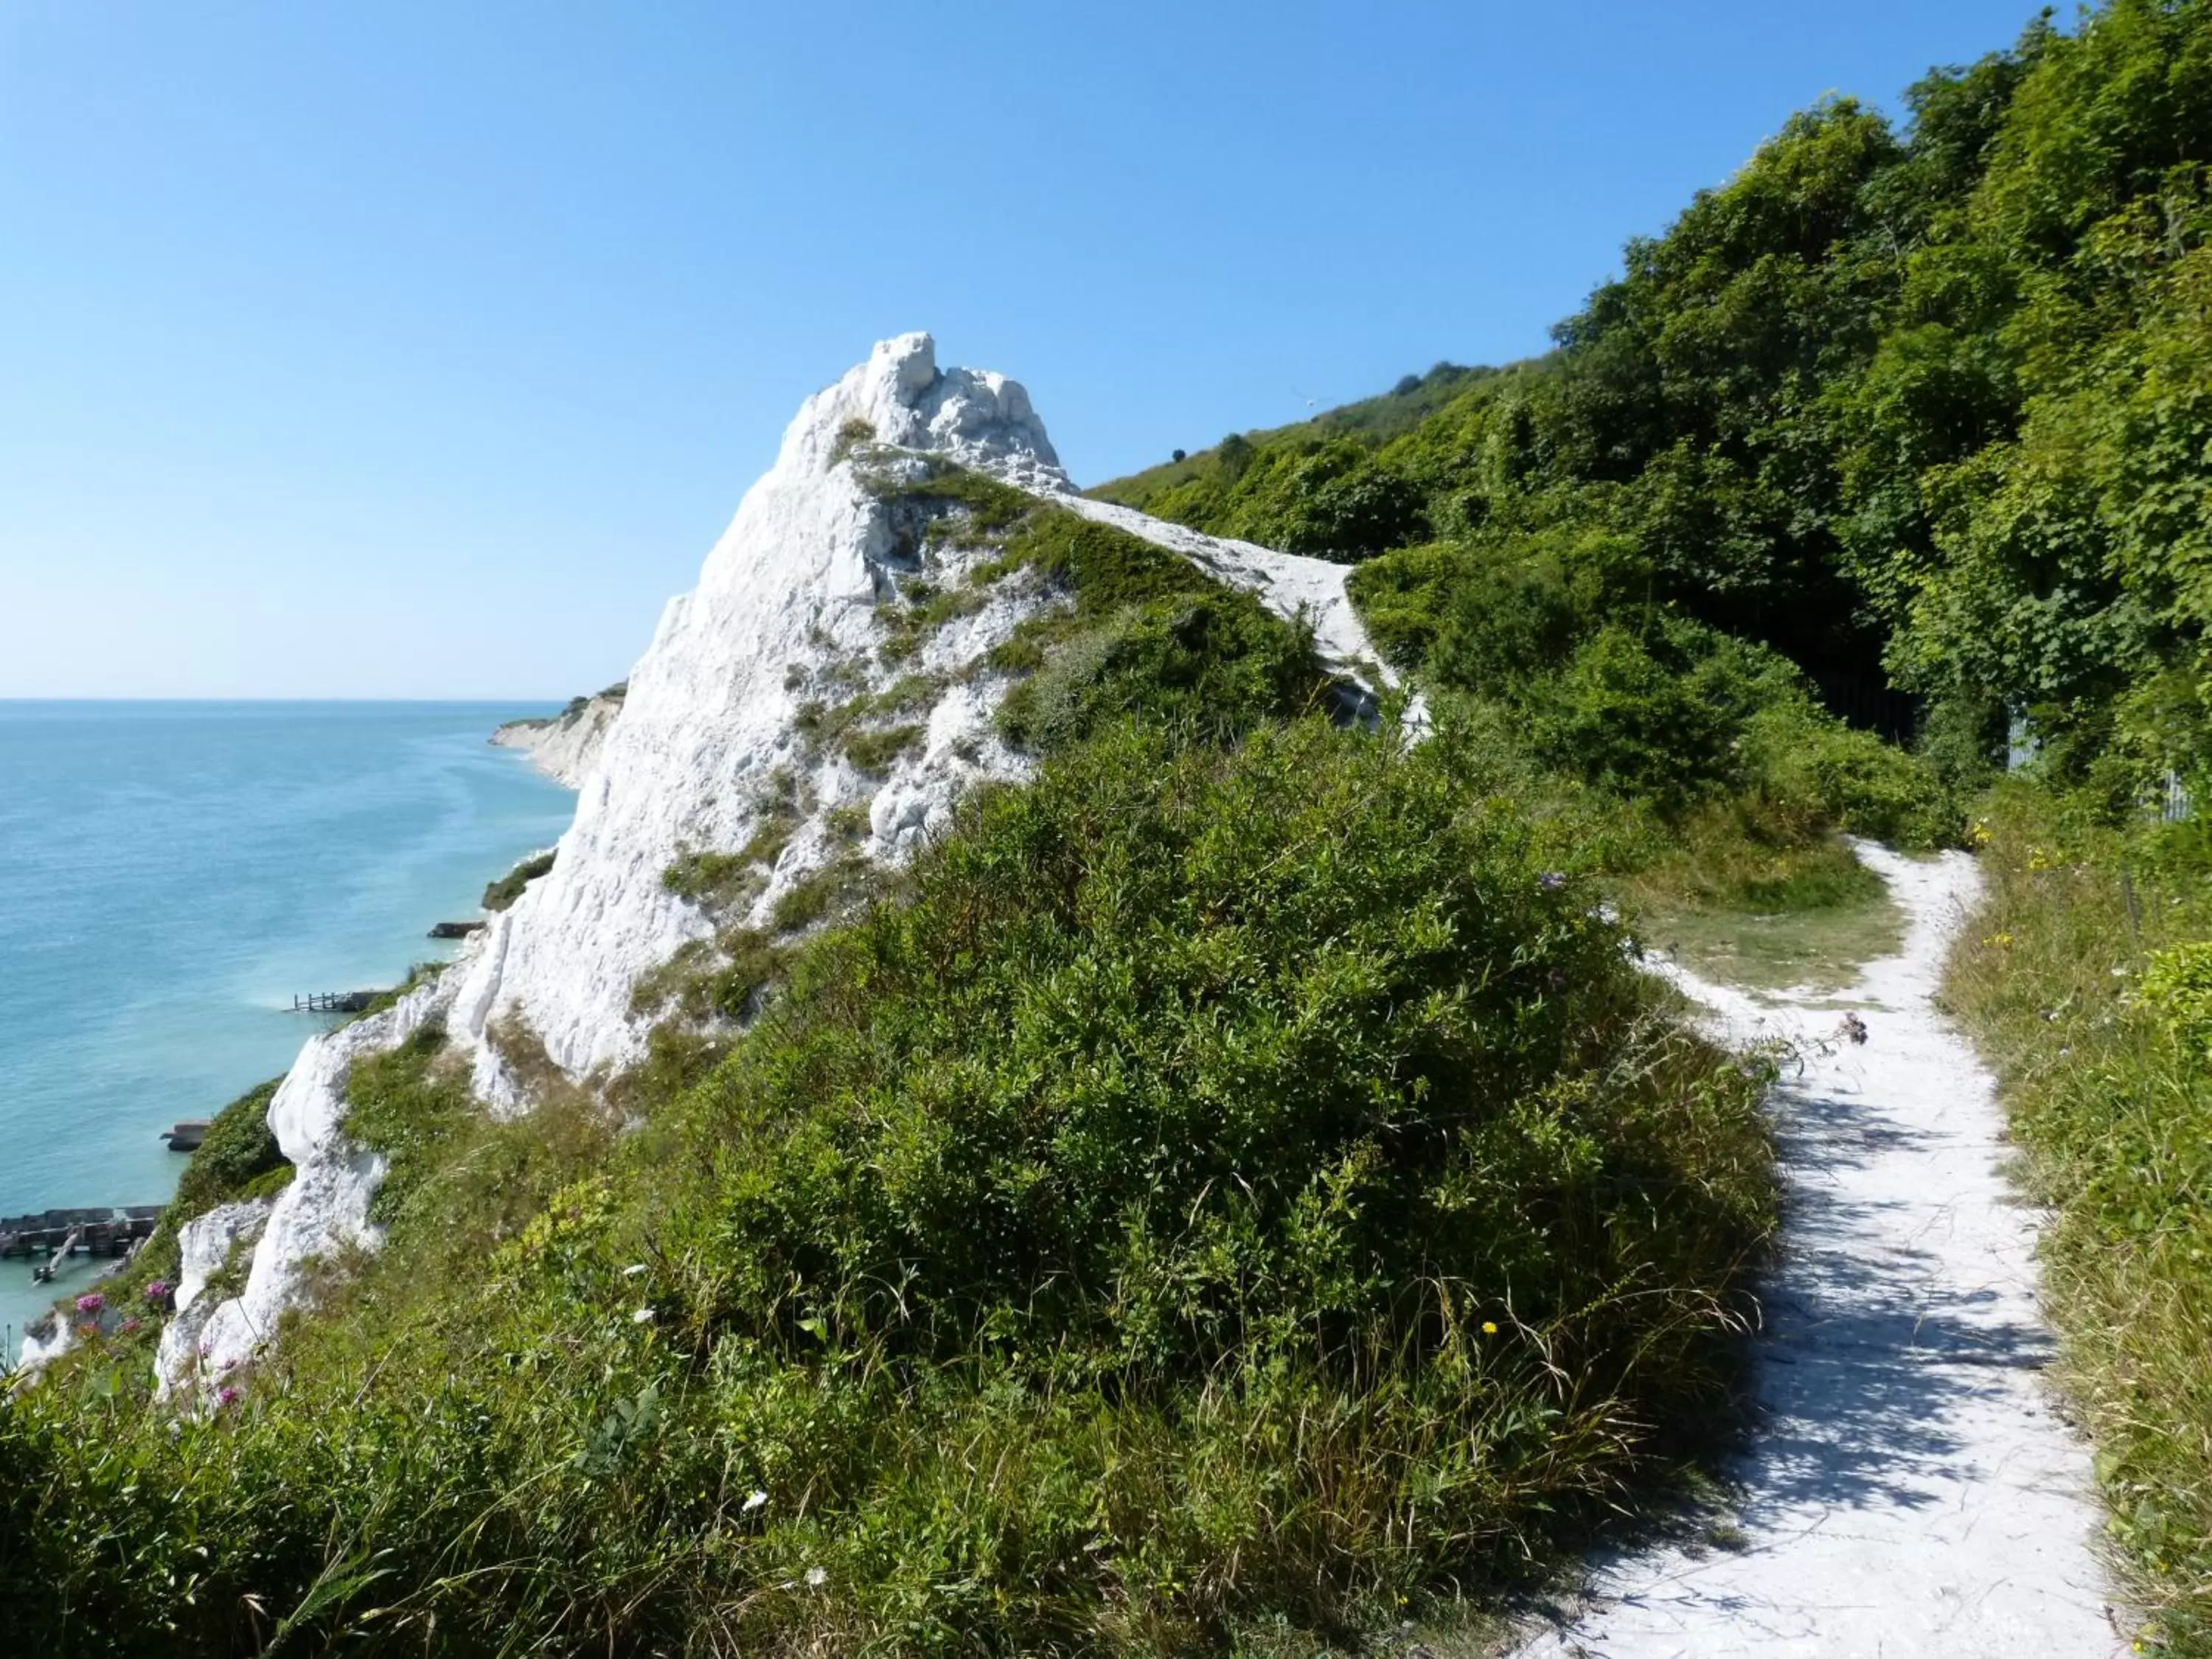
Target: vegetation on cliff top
[(1229, 1183)]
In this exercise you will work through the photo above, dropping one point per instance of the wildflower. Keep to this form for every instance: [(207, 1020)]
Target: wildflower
[(815, 1578), (91, 1302), (225, 1395), (1551, 880), (642, 1316), (158, 1291), (1490, 1328), (752, 1503), (130, 1326), (1999, 941)]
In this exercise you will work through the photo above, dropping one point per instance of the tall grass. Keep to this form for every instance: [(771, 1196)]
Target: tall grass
[(2104, 1072)]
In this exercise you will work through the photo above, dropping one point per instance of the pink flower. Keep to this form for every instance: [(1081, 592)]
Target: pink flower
[(158, 1291), (225, 1395), (91, 1302), (129, 1326)]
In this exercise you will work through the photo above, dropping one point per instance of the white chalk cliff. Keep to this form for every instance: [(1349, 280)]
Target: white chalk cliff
[(707, 739), (566, 746)]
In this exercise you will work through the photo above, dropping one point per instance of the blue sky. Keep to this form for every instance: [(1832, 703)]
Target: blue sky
[(422, 349)]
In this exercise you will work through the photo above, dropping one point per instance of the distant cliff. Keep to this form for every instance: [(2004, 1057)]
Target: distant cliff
[(564, 745)]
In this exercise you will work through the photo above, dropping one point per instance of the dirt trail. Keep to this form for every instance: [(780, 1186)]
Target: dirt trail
[(1909, 1489)]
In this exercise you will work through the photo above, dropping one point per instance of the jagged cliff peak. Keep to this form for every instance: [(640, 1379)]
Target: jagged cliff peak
[(716, 759)]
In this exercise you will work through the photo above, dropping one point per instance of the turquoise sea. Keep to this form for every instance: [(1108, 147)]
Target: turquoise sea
[(172, 873)]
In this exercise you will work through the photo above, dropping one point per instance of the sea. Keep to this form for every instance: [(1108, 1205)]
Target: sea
[(173, 874)]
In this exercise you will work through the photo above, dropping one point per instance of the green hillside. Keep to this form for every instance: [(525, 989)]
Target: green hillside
[(1925, 408)]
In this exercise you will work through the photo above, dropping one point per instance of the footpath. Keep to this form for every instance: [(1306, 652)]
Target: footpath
[(1908, 1488)]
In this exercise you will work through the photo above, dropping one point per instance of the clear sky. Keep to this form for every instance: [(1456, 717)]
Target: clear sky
[(408, 348)]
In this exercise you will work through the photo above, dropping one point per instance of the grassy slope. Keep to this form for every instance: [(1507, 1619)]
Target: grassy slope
[(1127, 1235), (1384, 416)]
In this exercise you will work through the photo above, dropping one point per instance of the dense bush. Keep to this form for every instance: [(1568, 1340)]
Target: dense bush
[(237, 1149), (1640, 699), (1228, 1185), (502, 893)]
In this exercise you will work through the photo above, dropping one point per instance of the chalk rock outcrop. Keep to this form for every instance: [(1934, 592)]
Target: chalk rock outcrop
[(788, 594), (565, 746), (323, 1209), (45, 1340), (711, 747), (204, 1246)]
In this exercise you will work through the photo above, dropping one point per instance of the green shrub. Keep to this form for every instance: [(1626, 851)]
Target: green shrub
[(407, 1106), (1227, 1186), (1827, 773), (2177, 991), (502, 893), (237, 1149), (822, 894), (1656, 718), (874, 750), (719, 881), (851, 434)]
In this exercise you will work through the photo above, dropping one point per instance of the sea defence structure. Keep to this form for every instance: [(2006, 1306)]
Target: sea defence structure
[(50, 1233)]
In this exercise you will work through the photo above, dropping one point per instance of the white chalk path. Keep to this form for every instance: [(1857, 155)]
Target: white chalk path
[(1909, 1489)]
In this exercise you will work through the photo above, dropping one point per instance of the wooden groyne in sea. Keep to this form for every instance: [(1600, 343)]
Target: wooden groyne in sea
[(114, 1231), (334, 1002)]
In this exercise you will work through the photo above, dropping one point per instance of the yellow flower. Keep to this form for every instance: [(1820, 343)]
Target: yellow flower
[(1490, 1328)]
